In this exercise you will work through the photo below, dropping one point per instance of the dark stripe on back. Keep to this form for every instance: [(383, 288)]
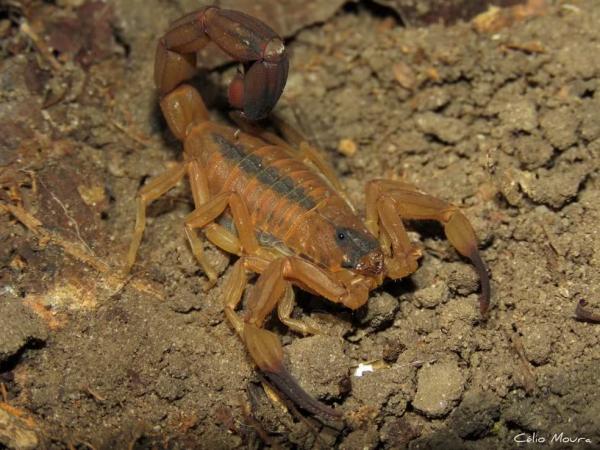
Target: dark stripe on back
[(253, 166)]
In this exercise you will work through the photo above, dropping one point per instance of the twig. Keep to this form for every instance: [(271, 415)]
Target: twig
[(18, 429), (94, 394), (41, 47), (3, 392), (584, 314), (130, 133), (252, 423), (71, 219), (528, 375)]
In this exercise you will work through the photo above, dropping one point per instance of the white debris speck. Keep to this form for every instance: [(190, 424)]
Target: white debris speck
[(362, 368)]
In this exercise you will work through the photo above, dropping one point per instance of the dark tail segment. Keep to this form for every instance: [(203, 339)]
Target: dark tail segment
[(287, 385), (263, 85), (262, 53), (244, 38)]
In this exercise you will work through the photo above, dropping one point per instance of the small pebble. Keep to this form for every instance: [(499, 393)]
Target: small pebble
[(347, 147), (439, 388)]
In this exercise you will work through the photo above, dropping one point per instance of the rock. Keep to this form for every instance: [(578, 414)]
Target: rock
[(558, 383), (431, 296), (392, 350), (363, 439), (169, 388), (380, 311), (555, 187), (18, 327), (532, 151), (185, 301), (590, 125), (443, 439), (319, 363), (439, 388), (560, 127), (519, 115), (476, 414), (446, 129), (462, 279), (424, 321), (526, 414), (459, 316), (431, 99), (537, 339), (397, 433), (390, 388)]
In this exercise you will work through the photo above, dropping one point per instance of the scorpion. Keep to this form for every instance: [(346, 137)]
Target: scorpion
[(291, 223)]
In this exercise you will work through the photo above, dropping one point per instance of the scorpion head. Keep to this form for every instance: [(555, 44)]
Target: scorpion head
[(336, 239), (360, 251)]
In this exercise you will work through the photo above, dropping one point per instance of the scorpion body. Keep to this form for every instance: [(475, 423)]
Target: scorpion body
[(290, 204), (290, 223)]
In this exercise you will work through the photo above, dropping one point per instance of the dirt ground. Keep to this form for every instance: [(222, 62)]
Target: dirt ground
[(504, 123)]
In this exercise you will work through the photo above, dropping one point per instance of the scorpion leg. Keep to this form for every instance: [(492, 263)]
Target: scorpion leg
[(234, 288), (206, 213), (223, 238), (182, 108), (215, 233), (146, 195), (386, 199), (285, 307), (235, 285), (264, 346)]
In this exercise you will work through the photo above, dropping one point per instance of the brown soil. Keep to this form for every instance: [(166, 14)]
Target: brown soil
[(504, 124)]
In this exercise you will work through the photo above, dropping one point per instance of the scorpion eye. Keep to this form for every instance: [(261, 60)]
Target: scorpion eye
[(343, 235)]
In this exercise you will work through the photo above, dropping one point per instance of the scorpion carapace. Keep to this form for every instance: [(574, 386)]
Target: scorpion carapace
[(291, 223)]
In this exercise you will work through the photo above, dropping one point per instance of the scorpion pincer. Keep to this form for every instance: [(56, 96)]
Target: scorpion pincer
[(292, 225)]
